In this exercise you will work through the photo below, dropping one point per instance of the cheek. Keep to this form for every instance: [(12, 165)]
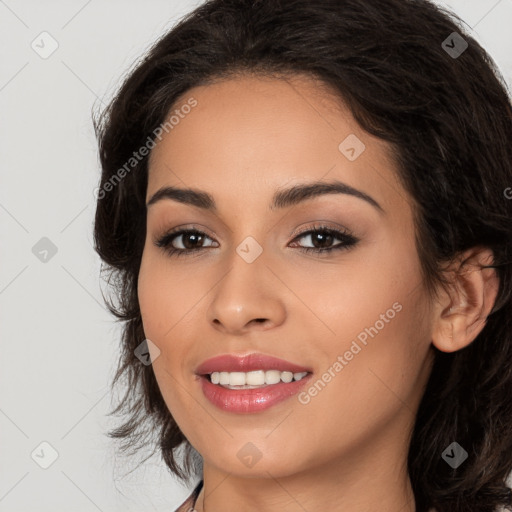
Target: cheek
[(167, 296), (164, 299), (376, 319), (351, 294), (363, 388)]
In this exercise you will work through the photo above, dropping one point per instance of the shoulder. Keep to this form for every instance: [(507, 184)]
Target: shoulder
[(188, 504)]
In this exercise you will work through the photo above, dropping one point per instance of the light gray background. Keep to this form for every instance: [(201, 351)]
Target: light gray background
[(58, 342)]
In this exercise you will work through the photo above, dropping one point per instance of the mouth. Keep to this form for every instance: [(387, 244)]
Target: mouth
[(250, 383)]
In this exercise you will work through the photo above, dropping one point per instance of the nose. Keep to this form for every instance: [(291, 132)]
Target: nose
[(248, 297)]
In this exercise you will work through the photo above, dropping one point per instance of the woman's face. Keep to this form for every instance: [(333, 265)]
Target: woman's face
[(356, 318)]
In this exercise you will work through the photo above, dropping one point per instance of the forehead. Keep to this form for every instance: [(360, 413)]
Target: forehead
[(252, 135)]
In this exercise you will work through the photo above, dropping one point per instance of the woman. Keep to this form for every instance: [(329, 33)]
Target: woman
[(304, 207)]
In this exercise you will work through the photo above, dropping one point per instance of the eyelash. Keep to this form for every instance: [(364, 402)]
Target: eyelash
[(347, 240)]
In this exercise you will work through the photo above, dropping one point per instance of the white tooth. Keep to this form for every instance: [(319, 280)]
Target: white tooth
[(286, 376), (237, 379), (256, 378), (272, 376)]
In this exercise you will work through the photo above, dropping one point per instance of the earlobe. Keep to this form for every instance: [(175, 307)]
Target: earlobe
[(462, 313)]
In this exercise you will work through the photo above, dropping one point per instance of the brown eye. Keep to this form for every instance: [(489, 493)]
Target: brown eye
[(182, 242), (322, 239)]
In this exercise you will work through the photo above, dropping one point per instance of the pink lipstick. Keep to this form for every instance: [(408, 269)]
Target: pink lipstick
[(250, 383)]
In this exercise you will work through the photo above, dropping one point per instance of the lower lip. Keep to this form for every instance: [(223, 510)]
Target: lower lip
[(250, 400)]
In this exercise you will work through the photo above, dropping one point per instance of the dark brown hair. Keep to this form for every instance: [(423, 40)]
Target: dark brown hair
[(448, 119)]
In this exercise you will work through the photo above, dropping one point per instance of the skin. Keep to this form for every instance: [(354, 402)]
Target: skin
[(346, 448)]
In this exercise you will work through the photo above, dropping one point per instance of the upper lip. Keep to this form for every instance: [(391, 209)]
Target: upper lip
[(247, 363)]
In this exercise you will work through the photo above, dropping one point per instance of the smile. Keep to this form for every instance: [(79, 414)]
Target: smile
[(250, 383)]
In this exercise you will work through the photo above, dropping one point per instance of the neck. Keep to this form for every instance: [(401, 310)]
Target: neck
[(367, 479)]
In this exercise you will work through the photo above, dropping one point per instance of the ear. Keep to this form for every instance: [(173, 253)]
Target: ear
[(462, 311)]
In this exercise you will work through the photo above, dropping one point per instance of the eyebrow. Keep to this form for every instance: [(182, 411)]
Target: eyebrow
[(281, 199)]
